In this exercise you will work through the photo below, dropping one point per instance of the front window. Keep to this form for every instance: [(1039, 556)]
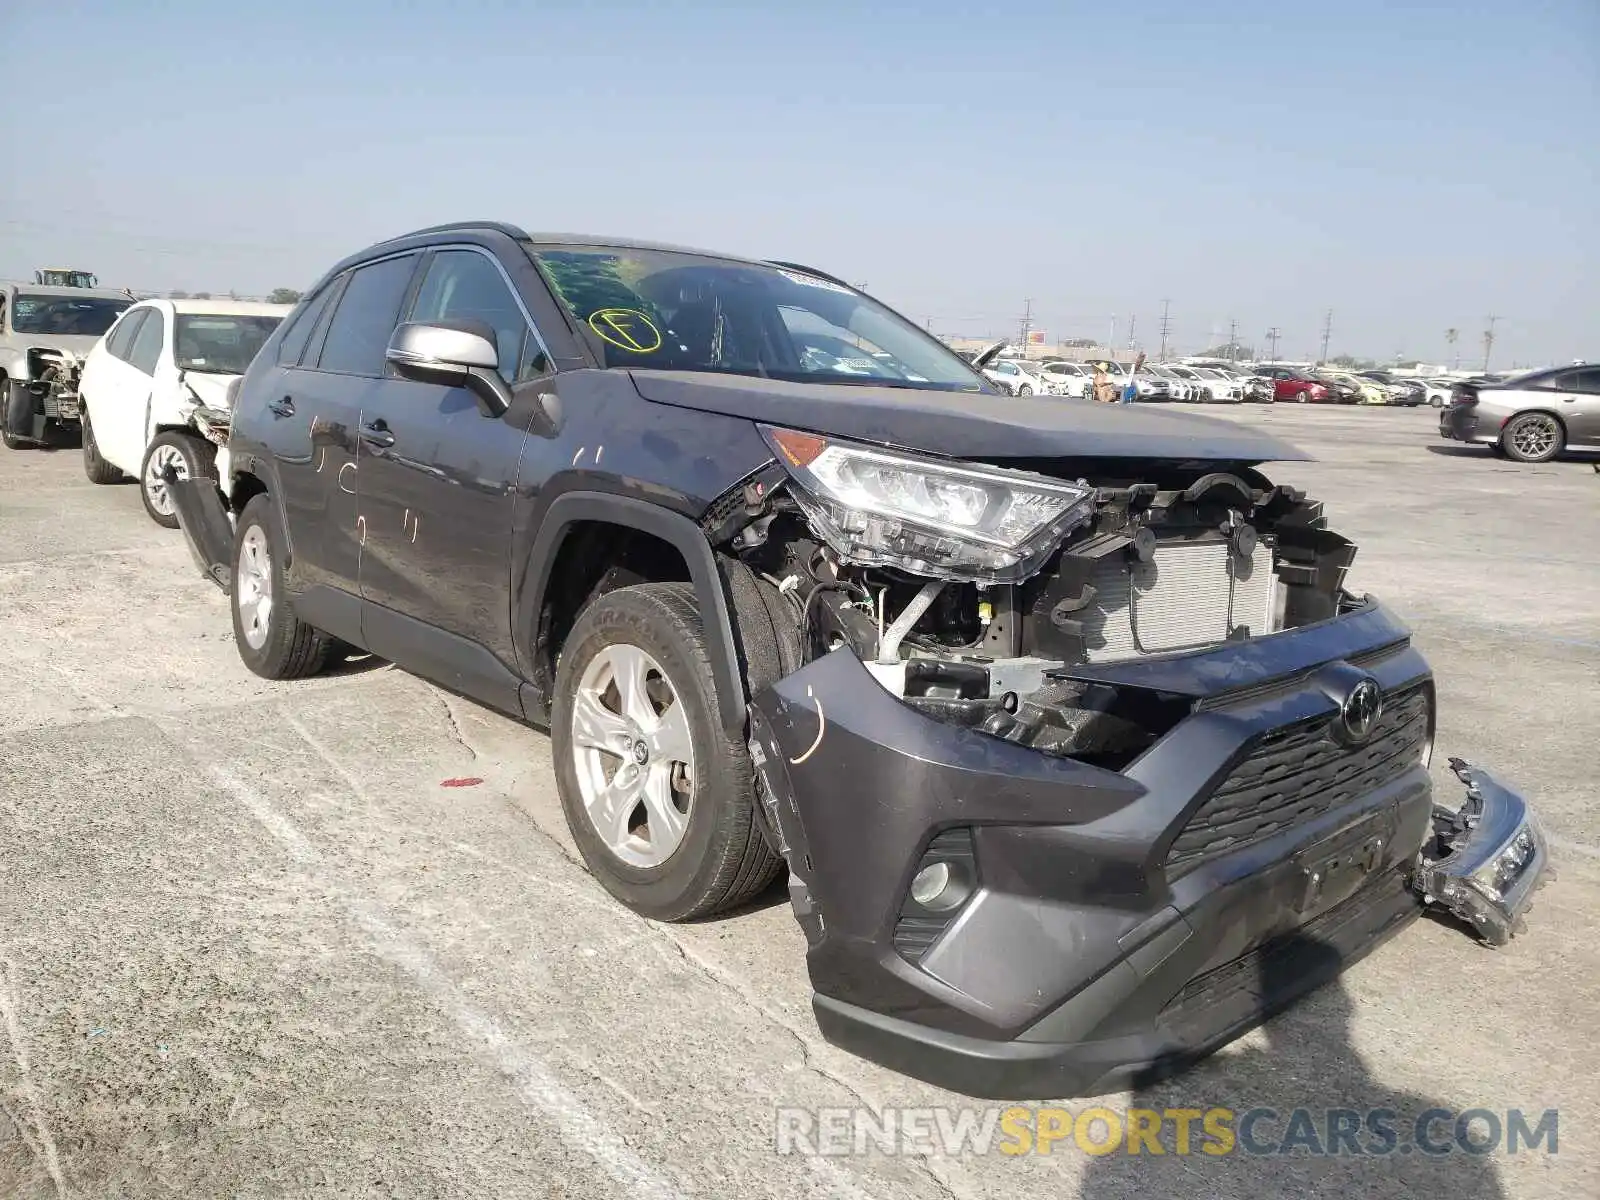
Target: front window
[(65, 316), (680, 311), (222, 345)]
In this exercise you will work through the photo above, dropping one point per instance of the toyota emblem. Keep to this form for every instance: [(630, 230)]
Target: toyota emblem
[(1359, 713)]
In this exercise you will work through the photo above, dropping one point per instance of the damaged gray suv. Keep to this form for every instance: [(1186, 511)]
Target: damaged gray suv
[(1061, 716)]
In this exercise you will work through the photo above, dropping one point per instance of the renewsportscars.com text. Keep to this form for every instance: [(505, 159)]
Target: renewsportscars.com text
[(1215, 1131)]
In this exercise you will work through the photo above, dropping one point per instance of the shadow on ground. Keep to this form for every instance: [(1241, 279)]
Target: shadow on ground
[(1324, 1124)]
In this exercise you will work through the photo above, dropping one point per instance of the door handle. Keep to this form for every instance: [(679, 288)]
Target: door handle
[(377, 433), (282, 408)]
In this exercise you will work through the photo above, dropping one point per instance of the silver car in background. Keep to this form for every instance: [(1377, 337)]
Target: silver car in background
[(1530, 418)]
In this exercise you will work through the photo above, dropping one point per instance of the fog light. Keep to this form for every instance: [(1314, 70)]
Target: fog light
[(931, 883)]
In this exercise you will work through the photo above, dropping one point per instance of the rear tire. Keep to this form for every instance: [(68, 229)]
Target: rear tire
[(193, 457), (1533, 437), (708, 855), (272, 641), (94, 464)]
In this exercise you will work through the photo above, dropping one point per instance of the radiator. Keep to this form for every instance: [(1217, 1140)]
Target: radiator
[(1188, 596)]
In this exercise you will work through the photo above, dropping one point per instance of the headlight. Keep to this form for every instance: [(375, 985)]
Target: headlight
[(880, 508)]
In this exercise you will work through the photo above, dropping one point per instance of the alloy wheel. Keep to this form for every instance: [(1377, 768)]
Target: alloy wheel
[(633, 755), (155, 485), (253, 588), (1535, 436)]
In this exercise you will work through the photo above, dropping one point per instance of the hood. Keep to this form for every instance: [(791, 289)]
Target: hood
[(988, 354), (214, 391), (968, 425), (79, 344)]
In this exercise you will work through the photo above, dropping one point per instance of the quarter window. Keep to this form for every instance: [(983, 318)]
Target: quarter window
[(368, 311)]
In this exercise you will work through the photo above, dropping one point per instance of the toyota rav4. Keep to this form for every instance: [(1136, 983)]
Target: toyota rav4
[(1063, 718)]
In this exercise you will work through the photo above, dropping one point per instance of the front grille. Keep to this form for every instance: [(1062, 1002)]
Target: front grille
[(1297, 773), (1192, 594)]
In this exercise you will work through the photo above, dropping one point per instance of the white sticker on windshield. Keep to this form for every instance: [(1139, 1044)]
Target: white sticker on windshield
[(813, 281)]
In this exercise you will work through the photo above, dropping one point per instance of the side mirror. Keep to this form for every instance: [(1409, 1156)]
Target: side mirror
[(462, 353)]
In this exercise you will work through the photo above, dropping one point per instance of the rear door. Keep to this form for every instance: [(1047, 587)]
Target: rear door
[(124, 434), (438, 474), (315, 420)]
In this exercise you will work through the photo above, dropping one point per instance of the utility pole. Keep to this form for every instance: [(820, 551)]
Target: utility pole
[(1166, 327), (1133, 323), (1488, 343), (1111, 342), (1327, 335), (1233, 340), (1273, 335), (1027, 324), (1451, 336)]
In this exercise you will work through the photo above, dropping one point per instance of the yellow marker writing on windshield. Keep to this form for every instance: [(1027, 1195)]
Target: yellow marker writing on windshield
[(626, 328)]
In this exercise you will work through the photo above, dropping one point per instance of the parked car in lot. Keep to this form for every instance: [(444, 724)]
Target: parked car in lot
[(1070, 378), (45, 334), (1014, 378), (1531, 418), (1352, 388), (773, 614), (1292, 383), (1179, 387), (156, 391), (1407, 392), (1207, 386)]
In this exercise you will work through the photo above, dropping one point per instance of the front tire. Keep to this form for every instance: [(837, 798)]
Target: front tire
[(272, 641), (1024, 390), (659, 798), (1533, 437), (16, 417), (94, 464), (190, 456)]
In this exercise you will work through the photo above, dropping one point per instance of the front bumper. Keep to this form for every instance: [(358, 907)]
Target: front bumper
[(1103, 941)]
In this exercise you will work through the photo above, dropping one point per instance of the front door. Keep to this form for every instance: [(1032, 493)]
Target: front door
[(438, 474)]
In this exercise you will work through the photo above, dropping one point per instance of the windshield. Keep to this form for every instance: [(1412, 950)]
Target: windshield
[(65, 316), (676, 310), (222, 345)]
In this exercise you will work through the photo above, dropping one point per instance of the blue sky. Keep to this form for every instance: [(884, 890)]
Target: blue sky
[(1412, 167)]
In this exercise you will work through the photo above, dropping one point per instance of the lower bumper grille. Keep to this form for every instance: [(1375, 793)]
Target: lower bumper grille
[(1299, 772), (1274, 974)]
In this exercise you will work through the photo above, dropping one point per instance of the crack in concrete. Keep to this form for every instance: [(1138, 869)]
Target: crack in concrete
[(455, 722), (29, 1093)]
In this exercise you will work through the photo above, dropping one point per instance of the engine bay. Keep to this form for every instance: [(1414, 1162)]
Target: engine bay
[(1168, 560)]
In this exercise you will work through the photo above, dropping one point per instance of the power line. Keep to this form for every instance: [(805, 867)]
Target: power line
[(1273, 335), (1327, 335), (1233, 340), (1166, 327)]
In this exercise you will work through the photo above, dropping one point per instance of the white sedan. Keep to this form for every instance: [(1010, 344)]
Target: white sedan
[(1015, 378), (1069, 378), (155, 391)]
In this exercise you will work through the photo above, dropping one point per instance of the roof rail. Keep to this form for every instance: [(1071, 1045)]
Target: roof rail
[(510, 231)]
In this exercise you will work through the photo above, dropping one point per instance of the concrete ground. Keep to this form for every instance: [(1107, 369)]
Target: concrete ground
[(252, 945)]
